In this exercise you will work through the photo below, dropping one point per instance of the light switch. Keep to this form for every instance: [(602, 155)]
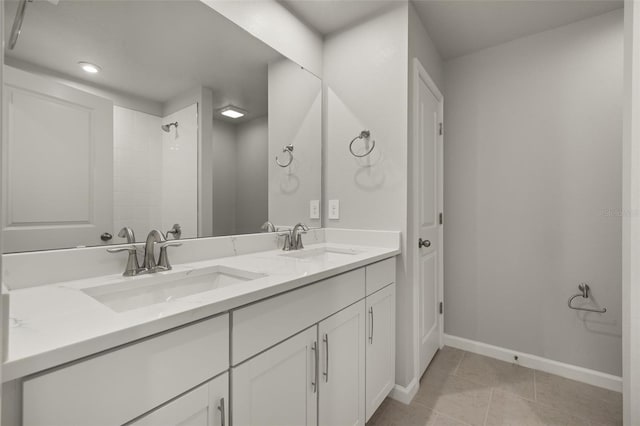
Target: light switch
[(314, 209), (334, 209)]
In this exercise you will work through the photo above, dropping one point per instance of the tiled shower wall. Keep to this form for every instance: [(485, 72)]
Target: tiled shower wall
[(137, 160), (141, 154)]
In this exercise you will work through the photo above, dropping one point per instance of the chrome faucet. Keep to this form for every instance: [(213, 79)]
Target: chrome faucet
[(149, 266), (153, 237), (293, 237)]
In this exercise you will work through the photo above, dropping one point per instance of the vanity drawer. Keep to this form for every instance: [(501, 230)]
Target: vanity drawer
[(263, 324), (380, 274), (117, 386)]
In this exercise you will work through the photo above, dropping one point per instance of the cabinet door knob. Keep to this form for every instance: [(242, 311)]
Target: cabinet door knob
[(106, 236), (423, 243)]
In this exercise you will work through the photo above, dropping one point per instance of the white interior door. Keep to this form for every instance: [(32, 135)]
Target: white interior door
[(57, 164), (427, 168)]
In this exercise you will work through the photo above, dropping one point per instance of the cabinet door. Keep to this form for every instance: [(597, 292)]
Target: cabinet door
[(279, 387), (342, 367), (381, 346), (204, 406)]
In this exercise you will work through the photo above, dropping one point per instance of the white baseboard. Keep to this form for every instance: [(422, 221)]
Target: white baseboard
[(405, 394), (569, 371)]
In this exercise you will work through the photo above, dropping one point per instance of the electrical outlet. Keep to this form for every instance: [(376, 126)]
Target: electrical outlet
[(314, 209), (334, 209)]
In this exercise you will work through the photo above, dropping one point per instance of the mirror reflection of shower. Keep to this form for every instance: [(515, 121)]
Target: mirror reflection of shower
[(167, 128)]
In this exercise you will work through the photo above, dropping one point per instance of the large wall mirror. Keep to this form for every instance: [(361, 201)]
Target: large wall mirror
[(145, 114)]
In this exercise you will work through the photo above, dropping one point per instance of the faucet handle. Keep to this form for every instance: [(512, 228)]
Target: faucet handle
[(298, 242), (133, 267), (287, 240), (165, 244), (121, 249), (163, 261), (176, 231)]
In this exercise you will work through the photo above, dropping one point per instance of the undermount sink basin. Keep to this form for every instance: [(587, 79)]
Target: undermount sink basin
[(129, 294), (322, 253)]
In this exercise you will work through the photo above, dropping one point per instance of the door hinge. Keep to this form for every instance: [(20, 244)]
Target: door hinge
[(440, 218), (441, 308), (440, 129)]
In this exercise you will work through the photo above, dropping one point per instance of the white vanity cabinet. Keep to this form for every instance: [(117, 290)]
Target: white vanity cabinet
[(303, 357), (206, 405), (315, 376), (342, 367), (279, 386), (321, 354), (381, 346), (118, 386)]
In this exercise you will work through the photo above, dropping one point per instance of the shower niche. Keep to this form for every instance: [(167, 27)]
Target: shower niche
[(146, 114)]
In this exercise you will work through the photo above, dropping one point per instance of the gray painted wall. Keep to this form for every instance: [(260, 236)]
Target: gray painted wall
[(366, 75), (224, 178), (295, 117), (533, 151), (252, 192)]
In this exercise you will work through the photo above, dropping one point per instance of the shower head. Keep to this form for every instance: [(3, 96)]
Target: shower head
[(167, 127)]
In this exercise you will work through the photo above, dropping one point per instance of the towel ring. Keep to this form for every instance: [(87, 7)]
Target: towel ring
[(584, 292), (365, 134), (289, 150)]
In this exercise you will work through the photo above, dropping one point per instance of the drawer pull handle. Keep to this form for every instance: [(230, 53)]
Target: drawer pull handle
[(314, 383), (371, 330), (325, 339), (221, 409)]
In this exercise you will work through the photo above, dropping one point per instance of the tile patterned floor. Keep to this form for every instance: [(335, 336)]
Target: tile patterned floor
[(464, 389)]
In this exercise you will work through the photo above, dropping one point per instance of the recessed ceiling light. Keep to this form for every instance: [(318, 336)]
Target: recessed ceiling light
[(232, 112), (89, 67)]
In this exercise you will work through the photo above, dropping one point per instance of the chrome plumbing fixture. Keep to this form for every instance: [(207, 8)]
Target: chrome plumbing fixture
[(167, 127), (149, 265), (365, 134), (293, 237), (585, 292)]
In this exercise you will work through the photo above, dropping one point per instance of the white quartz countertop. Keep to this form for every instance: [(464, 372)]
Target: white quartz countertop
[(56, 323)]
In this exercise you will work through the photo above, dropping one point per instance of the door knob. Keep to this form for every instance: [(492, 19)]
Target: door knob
[(106, 236), (423, 243)]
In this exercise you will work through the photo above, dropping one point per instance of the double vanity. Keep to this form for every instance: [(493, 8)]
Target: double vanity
[(239, 332)]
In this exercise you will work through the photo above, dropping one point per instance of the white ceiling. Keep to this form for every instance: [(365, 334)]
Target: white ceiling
[(461, 27), (457, 27), (328, 16), (155, 50)]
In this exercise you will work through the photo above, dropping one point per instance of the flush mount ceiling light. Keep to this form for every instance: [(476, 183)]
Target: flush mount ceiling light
[(232, 112), (89, 67)]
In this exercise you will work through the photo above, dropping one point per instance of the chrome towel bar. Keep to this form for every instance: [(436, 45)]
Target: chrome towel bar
[(585, 292)]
